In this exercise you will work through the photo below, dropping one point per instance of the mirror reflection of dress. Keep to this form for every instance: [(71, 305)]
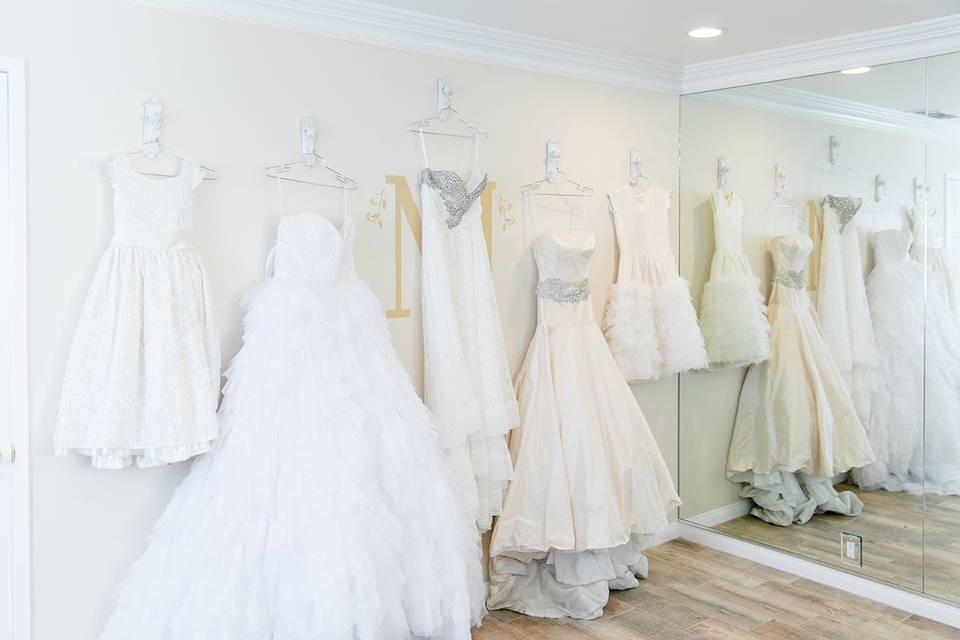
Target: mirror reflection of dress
[(589, 477), (918, 399), (732, 313), (796, 425), (842, 301)]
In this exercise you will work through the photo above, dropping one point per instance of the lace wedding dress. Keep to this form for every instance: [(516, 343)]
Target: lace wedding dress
[(842, 302), (325, 510), (732, 313), (913, 429), (143, 377), (650, 322), (589, 476), (467, 384), (796, 425)]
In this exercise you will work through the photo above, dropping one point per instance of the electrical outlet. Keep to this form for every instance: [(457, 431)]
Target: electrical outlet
[(851, 549)]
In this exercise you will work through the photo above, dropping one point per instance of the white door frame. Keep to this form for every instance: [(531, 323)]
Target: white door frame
[(18, 397)]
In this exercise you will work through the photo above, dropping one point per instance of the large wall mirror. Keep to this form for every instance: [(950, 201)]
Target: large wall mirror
[(826, 210)]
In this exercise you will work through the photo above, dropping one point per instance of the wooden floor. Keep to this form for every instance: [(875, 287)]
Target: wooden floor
[(695, 592), (892, 526)]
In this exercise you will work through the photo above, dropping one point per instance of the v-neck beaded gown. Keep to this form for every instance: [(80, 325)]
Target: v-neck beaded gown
[(589, 477), (143, 378), (325, 510), (467, 383)]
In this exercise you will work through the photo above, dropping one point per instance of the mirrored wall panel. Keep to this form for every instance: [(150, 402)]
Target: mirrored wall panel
[(815, 245)]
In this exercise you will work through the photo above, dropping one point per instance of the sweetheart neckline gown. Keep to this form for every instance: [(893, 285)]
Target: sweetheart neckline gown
[(325, 510), (589, 476)]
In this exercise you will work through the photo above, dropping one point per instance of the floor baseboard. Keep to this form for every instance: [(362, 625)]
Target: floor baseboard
[(723, 514), (904, 600)]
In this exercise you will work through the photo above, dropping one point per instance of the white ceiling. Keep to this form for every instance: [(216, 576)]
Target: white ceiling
[(657, 29)]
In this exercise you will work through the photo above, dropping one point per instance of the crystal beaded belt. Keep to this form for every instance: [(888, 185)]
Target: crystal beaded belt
[(792, 279), (151, 237), (564, 290)]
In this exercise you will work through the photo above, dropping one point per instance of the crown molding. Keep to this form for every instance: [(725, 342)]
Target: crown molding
[(879, 46), (823, 108), (385, 26)]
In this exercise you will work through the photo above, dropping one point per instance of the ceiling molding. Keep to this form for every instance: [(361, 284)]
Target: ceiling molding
[(879, 46), (815, 106), (385, 26)]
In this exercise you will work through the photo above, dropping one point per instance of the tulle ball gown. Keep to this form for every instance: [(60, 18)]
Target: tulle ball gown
[(325, 511), (589, 479), (913, 428)]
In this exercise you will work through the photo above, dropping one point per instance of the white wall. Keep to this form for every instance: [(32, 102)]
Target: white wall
[(752, 141), (232, 96)]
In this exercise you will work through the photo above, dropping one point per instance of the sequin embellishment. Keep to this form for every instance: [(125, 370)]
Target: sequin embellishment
[(846, 208), (564, 290), (792, 279), (453, 191)]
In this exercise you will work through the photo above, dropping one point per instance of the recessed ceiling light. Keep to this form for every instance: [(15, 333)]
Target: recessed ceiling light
[(855, 71), (706, 32)]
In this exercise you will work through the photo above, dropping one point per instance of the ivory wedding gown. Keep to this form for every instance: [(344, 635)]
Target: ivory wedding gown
[(589, 476), (913, 429), (325, 510), (467, 383), (650, 322), (732, 313), (796, 425), (143, 378)]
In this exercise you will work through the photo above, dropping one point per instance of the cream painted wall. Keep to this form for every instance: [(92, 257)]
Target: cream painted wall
[(232, 97), (752, 141)]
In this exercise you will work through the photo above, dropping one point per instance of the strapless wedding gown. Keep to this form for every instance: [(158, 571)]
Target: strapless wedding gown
[(325, 510), (589, 478)]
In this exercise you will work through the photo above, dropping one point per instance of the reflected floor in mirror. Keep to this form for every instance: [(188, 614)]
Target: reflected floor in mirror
[(696, 592), (891, 525)]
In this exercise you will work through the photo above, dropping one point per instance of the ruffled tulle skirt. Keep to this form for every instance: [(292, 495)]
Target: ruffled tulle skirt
[(733, 316), (325, 510), (589, 479), (143, 378), (650, 323)]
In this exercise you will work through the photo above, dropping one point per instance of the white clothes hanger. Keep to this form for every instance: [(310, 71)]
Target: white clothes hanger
[(552, 174), (883, 207), (783, 202), (309, 158), (428, 126), (836, 165), (151, 147)]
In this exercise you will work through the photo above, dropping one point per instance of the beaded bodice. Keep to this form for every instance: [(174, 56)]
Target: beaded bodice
[(844, 209), (563, 266), (790, 254), (309, 246), (457, 198)]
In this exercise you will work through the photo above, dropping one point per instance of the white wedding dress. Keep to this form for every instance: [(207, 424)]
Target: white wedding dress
[(467, 383), (325, 510), (842, 302), (796, 426), (913, 429), (649, 322), (732, 313), (589, 476), (143, 377)]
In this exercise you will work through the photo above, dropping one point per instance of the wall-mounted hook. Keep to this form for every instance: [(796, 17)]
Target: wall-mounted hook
[(834, 150), (879, 188), (636, 166), (780, 182), (152, 124), (444, 98), (308, 141), (552, 159), (919, 191), (723, 174)]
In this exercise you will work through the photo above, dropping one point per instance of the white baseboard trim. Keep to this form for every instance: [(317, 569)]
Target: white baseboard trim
[(672, 532), (902, 599), (723, 514)]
